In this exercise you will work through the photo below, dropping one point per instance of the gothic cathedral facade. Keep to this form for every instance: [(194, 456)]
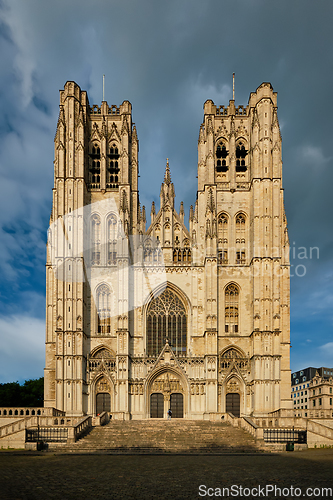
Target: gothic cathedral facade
[(213, 337)]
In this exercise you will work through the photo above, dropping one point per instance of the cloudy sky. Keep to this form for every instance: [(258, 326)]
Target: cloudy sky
[(167, 58)]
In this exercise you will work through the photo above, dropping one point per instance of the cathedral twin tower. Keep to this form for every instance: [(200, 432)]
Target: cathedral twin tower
[(209, 333)]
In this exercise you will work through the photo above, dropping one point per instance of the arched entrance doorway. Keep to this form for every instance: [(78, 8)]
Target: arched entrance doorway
[(103, 395), (103, 402), (156, 405), (232, 403), (177, 405)]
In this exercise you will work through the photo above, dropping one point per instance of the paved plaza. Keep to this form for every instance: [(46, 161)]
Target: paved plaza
[(29, 476)]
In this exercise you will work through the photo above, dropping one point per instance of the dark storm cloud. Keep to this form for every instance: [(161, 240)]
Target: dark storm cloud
[(167, 58)]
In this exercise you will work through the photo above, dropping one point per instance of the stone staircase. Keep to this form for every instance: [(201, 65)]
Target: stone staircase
[(163, 436)]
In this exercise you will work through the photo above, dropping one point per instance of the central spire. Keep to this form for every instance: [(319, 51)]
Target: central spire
[(167, 176), (167, 194)]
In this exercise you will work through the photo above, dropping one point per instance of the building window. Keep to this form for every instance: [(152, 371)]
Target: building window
[(240, 257), (222, 228), (314, 392), (222, 256), (231, 308), (222, 238), (331, 401), (180, 255), (330, 390), (96, 240), (240, 224), (319, 401), (104, 309), (95, 167), (112, 239), (112, 177), (241, 153), (166, 319), (233, 357), (313, 402), (221, 157)]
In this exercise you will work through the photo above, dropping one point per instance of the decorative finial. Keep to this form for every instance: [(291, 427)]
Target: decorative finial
[(233, 86)]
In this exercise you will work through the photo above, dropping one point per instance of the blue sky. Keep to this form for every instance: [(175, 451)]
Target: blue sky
[(167, 58)]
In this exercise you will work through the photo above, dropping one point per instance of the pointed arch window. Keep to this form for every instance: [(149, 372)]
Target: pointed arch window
[(221, 157), (95, 166), (112, 229), (102, 356), (104, 309), (166, 319), (233, 356), (96, 240), (240, 223), (241, 154), (231, 308), (112, 177), (222, 235)]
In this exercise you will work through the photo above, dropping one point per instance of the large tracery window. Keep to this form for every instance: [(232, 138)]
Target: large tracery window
[(166, 319), (104, 309), (231, 308)]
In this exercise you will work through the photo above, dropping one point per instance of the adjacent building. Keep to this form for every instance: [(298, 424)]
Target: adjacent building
[(312, 392)]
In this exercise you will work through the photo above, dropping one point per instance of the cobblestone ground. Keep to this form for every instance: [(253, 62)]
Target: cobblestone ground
[(85, 477)]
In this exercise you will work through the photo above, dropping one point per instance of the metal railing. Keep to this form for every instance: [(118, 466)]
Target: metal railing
[(46, 434), (284, 436)]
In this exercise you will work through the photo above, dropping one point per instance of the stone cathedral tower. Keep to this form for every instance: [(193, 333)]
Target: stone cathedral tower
[(213, 335)]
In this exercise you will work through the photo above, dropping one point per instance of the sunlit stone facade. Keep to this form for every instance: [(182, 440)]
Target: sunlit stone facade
[(214, 336)]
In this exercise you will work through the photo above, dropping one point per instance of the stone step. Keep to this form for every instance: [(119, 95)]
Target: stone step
[(163, 436)]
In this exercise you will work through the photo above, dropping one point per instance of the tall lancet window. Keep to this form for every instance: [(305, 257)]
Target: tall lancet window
[(112, 239), (166, 319), (222, 230), (221, 157), (241, 154), (231, 308), (112, 176), (95, 167), (96, 240), (240, 224), (104, 309)]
